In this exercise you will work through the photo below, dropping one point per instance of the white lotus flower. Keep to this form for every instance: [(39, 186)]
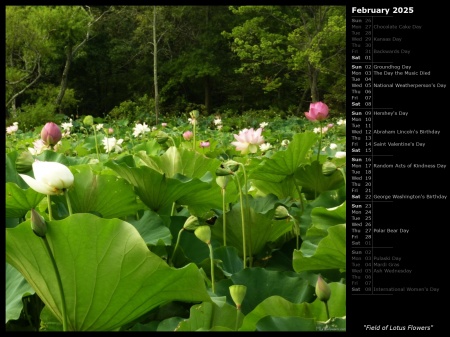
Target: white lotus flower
[(50, 178), (13, 128), (67, 126), (285, 142), (111, 144), (340, 154), (265, 146), (248, 140), (140, 129)]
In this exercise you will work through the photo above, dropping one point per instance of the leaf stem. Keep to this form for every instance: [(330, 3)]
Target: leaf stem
[(211, 256), (176, 246), (244, 251), (326, 307), (49, 202), (247, 207), (224, 217), (69, 205), (96, 145), (58, 277)]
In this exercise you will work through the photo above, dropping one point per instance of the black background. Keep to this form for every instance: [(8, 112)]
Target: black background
[(423, 249)]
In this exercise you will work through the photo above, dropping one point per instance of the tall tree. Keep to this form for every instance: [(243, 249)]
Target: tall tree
[(26, 47), (277, 43), (150, 22), (75, 24), (200, 55)]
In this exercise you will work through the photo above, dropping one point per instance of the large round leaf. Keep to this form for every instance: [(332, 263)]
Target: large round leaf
[(262, 283), (329, 253), (105, 194), (19, 201), (16, 288), (108, 274), (285, 163), (279, 306), (156, 190)]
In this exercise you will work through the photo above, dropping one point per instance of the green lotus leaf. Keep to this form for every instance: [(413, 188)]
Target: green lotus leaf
[(104, 194), (326, 217), (262, 283), (181, 161), (49, 155), (19, 201), (282, 189), (16, 288), (150, 148), (329, 253), (313, 181), (108, 274), (208, 316), (156, 190), (285, 163), (230, 262), (274, 323), (260, 228), (279, 306), (152, 229), (159, 192)]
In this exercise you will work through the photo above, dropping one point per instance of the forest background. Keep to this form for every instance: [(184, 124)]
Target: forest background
[(145, 63)]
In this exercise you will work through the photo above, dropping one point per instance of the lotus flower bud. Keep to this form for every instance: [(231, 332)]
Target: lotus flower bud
[(51, 133), (232, 165), (110, 131), (203, 233), (194, 114), (222, 181), (191, 223), (88, 120), (237, 293), (328, 168), (323, 290), (162, 137), (281, 213), (51, 178), (38, 224), (318, 111), (223, 171), (24, 162)]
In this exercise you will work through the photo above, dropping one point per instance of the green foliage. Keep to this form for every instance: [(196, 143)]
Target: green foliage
[(89, 265), (32, 116), (210, 58), (138, 110)]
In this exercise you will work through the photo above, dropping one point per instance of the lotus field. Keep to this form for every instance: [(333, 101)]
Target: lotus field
[(198, 223)]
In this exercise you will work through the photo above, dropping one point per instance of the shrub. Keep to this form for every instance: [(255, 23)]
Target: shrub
[(31, 116)]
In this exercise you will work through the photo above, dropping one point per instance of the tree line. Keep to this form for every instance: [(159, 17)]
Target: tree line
[(77, 60)]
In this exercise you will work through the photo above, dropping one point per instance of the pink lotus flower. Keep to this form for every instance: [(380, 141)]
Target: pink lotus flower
[(187, 135), (248, 140), (318, 111), (204, 144), (51, 133)]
